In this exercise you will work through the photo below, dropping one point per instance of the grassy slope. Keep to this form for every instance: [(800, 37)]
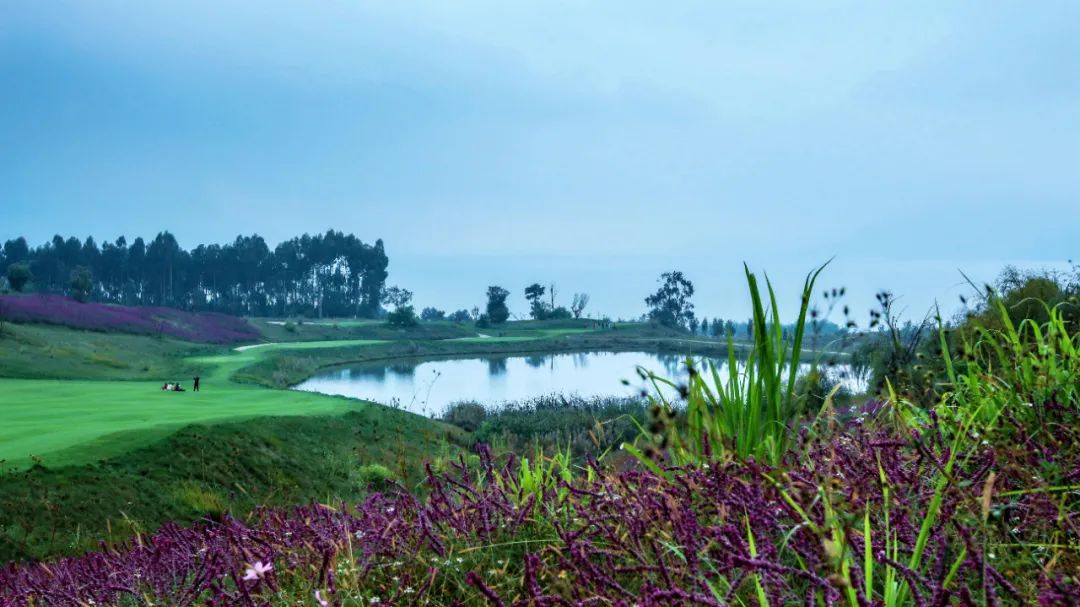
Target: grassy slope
[(48, 352), (74, 421), (204, 470), (335, 329), (122, 455)]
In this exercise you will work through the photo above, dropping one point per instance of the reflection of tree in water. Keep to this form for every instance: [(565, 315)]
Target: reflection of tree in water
[(404, 368), (537, 362), (496, 366), (581, 359), (375, 372), (674, 364)]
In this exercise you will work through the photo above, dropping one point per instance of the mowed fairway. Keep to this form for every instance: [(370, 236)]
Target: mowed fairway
[(75, 421)]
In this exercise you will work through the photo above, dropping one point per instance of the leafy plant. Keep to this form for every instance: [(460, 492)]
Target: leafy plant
[(754, 410)]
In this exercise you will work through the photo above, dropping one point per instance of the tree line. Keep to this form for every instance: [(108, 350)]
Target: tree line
[(331, 274)]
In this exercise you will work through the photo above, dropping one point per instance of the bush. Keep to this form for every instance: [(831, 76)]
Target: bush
[(375, 477), (460, 316), (19, 275), (467, 415), (402, 318), (430, 314)]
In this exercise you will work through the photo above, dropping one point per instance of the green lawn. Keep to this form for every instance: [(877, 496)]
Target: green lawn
[(72, 421), (50, 352), (114, 403)]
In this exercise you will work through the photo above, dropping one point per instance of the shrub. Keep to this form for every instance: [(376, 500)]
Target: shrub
[(19, 275), (402, 318), (81, 284), (431, 314), (375, 477), (466, 415)]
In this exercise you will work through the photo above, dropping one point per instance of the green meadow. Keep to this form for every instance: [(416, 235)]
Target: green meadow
[(94, 395)]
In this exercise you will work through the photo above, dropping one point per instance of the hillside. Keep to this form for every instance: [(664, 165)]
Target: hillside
[(210, 328)]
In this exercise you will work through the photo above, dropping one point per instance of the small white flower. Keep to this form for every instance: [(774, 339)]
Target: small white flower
[(257, 571)]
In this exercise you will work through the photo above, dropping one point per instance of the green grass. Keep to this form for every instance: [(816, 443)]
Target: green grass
[(336, 329), (202, 470), (48, 352), (66, 422), (72, 421)]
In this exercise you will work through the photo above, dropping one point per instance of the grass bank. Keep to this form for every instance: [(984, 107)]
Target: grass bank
[(205, 470)]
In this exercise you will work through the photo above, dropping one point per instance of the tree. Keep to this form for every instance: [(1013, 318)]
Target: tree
[(750, 329), (18, 275), (693, 324), (559, 313), (670, 305), (730, 326), (402, 317), (81, 284), (578, 305), (430, 314), (497, 312), (533, 293), (326, 274), (460, 316), (705, 327), (16, 250), (396, 296)]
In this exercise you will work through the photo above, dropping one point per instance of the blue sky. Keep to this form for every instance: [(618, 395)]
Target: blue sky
[(593, 144)]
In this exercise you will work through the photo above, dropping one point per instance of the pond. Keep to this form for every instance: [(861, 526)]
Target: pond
[(429, 386)]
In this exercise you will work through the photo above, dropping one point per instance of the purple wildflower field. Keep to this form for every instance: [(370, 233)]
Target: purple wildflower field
[(725, 534), (144, 320)]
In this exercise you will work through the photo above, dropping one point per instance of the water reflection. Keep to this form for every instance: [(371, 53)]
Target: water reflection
[(429, 386)]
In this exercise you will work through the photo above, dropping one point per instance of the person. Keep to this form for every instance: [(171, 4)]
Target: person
[(165, 386), (177, 387), (196, 386)]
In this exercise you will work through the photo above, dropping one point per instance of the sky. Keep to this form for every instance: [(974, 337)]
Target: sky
[(589, 144)]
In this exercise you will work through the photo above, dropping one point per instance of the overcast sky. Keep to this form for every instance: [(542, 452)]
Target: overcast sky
[(590, 143)]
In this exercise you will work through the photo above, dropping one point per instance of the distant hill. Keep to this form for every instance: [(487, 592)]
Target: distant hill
[(204, 327)]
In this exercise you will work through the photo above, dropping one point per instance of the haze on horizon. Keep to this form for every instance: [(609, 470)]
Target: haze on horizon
[(590, 145)]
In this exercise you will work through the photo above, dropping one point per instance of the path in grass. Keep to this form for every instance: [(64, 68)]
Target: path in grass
[(73, 421)]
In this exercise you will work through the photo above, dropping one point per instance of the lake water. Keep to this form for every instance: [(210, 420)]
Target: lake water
[(429, 386)]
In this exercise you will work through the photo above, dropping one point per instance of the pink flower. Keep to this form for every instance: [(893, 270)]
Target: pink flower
[(323, 602), (257, 571)]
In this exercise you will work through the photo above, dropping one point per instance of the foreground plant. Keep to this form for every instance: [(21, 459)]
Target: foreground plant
[(754, 410), (840, 528)]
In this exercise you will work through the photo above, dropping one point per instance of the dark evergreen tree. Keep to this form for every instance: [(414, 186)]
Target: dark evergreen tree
[(331, 274)]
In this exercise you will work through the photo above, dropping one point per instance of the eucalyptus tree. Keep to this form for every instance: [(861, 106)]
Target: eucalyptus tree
[(670, 305), (331, 274)]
